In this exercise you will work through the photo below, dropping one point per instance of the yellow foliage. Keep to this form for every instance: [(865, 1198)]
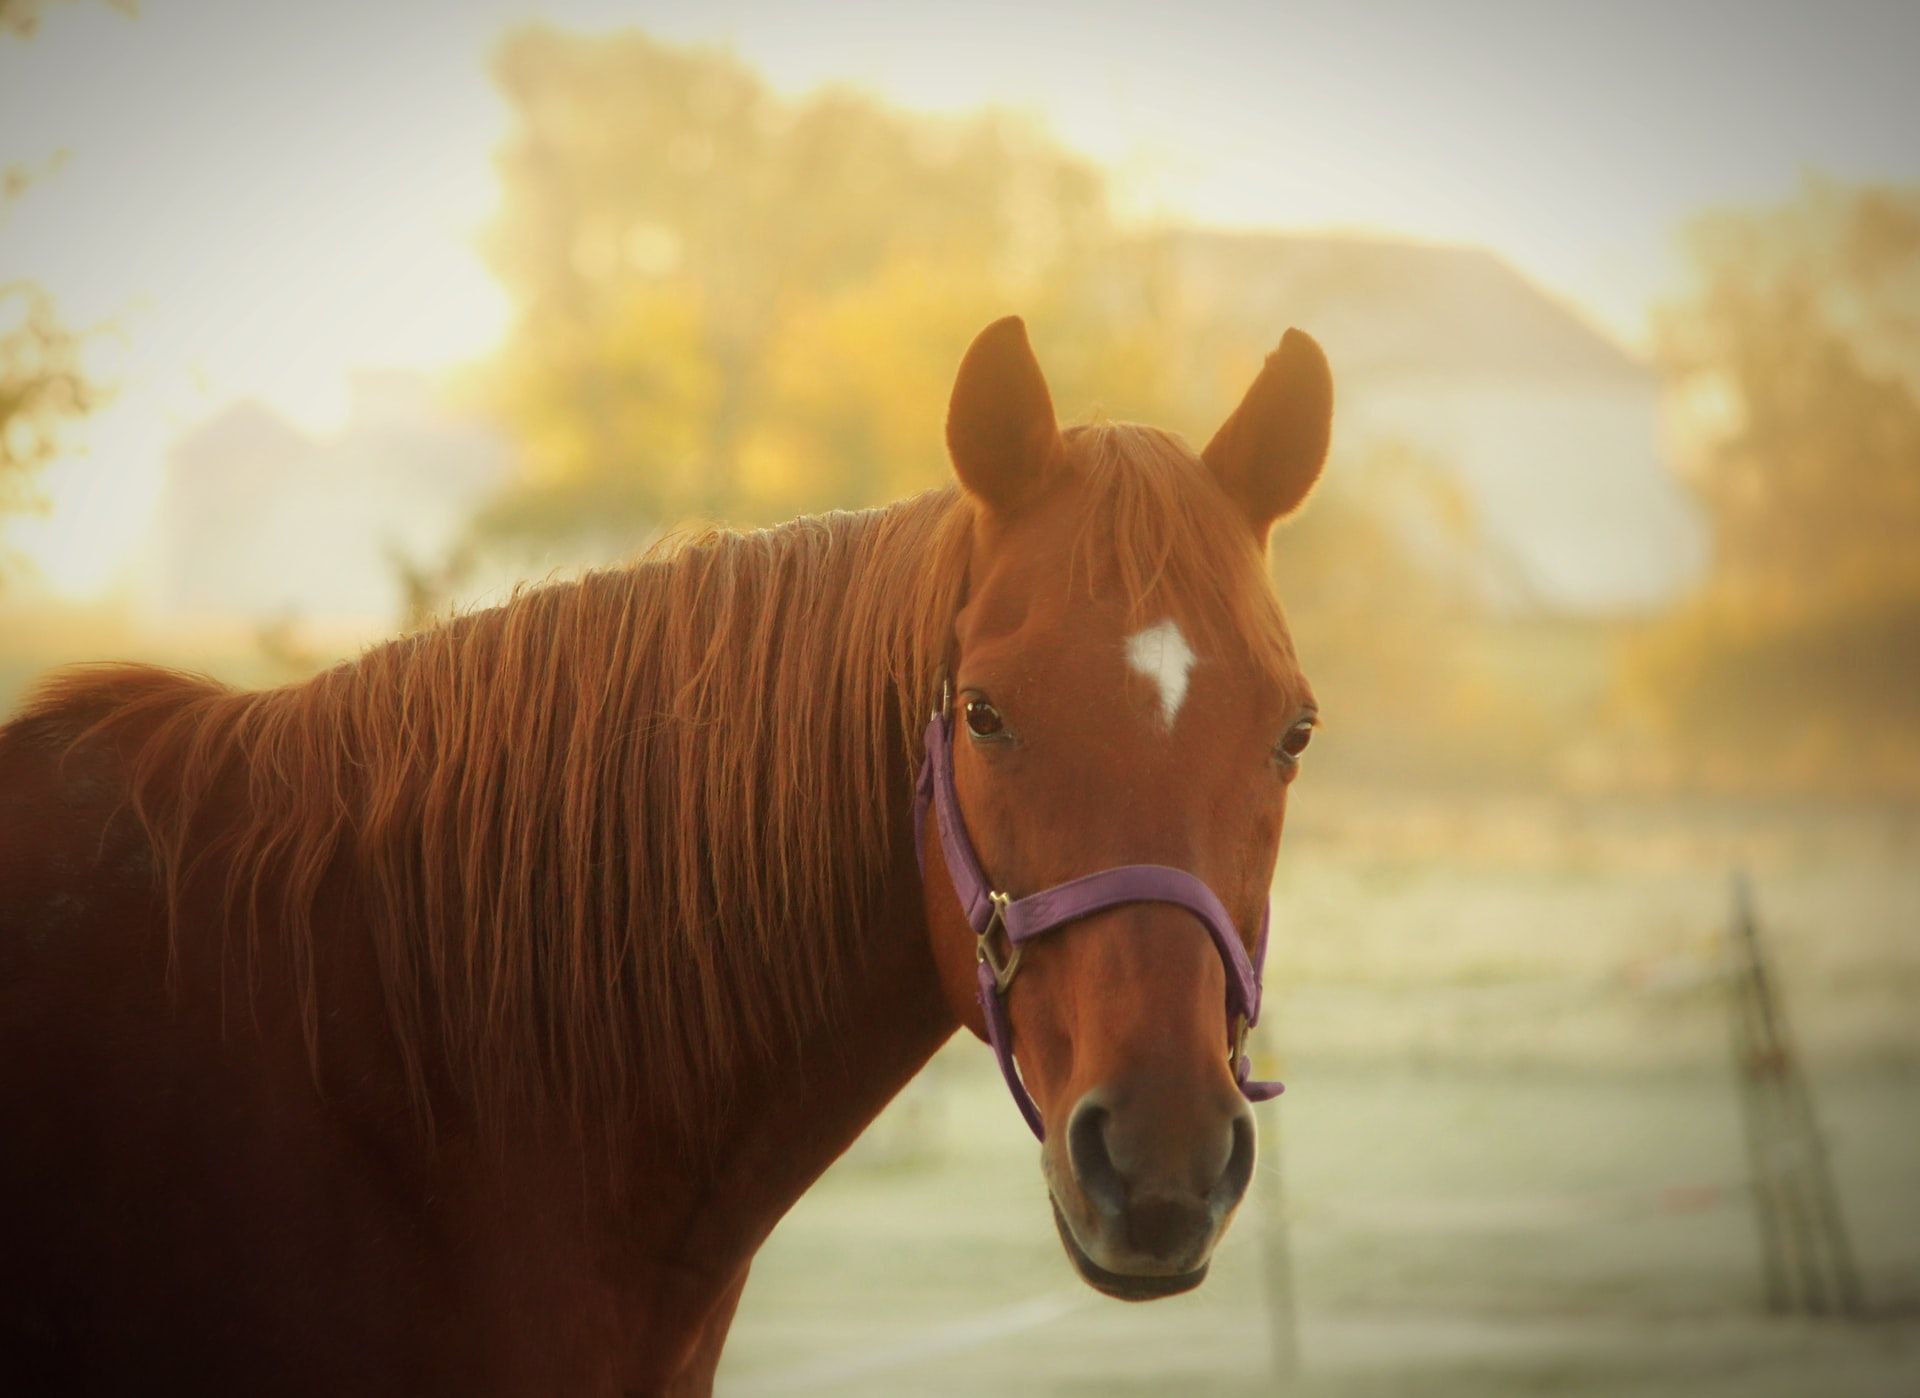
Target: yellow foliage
[(735, 306), (1796, 363)]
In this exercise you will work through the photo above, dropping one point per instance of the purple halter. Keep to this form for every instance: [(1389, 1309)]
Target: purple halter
[(1023, 919)]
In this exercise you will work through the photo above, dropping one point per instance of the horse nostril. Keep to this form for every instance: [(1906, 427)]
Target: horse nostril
[(1233, 1181), (1100, 1180)]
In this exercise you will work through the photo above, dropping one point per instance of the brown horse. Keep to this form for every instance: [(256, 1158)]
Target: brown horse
[(462, 1020)]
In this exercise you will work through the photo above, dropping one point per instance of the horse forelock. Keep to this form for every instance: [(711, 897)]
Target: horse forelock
[(1157, 524)]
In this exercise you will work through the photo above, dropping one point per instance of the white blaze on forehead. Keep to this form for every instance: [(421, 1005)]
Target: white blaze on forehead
[(1162, 654)]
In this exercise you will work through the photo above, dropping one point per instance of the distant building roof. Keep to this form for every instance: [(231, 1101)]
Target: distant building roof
[(1390, 307)]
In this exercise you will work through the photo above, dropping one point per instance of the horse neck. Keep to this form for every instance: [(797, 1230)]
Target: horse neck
[(692, 1232), (693, 1224), (663, 1243)]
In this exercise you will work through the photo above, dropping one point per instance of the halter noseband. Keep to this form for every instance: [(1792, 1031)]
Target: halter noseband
[(1020, 920)]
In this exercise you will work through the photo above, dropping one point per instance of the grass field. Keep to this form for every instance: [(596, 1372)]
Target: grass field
[(1509, 1160)]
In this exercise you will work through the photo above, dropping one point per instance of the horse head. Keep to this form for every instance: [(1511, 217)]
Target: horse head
[(1123, 716)]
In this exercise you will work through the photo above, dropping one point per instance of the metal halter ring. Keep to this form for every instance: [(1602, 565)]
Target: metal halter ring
[(983, 946), (1235, 1053)]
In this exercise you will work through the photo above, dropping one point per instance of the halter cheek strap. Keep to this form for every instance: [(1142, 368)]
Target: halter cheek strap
[(1020, 920)]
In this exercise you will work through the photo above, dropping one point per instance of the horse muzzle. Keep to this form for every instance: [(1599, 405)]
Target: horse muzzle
[(1139, 1208)]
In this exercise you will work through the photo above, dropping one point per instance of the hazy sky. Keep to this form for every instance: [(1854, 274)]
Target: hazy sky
[(262, 196)]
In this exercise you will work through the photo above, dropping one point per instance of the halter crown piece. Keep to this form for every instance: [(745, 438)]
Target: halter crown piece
[(1020, 920)]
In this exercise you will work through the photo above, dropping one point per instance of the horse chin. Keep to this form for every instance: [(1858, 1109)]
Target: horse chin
[(1123, 1286)]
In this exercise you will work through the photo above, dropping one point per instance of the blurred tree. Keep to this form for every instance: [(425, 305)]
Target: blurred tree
[(41, 386), (1798, 359), (733, 305), (1795, 367), (41, 383)]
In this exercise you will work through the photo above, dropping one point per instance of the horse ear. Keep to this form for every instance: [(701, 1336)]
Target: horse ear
[(1269, 453), (1000, 428)]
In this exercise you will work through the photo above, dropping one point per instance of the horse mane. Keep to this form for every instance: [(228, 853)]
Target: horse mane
[(612, 835)]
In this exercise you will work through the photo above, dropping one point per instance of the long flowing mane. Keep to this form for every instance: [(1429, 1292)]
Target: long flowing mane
[(618, 831)]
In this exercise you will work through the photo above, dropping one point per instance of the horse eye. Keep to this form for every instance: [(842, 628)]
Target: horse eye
[(983, 720), (1296, 740)]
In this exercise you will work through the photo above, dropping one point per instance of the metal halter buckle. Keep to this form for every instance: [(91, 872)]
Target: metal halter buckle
[(1238, 1048), (983, 947)]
